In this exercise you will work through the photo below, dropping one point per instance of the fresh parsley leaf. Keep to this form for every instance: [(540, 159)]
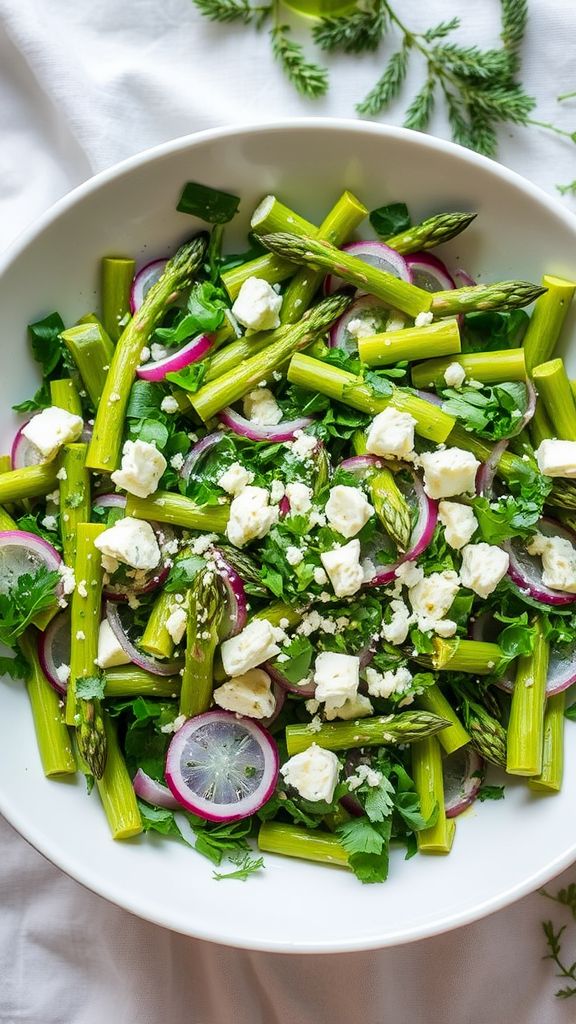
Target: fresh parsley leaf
[(209, 204), (204, 315), (490, 793), (32, 523), (90, 687), (407, 804), (570, 712), (516, 640), (246, 866), (492, 412), (300, 654), (159, 819), (368, 847), (183, 573), (46, 345), (379, 800), (191, 378), (507, 517), (16, 668), (391, 219), (360, 836), (145, 400), (489, 332), (20, 605)]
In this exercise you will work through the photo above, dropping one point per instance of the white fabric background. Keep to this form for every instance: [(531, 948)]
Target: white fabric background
[(84, 83)]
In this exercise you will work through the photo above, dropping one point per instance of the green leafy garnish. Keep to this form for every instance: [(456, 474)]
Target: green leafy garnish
[(390, 220), (209, 204), (52, 356), (20, 605), (491, 412), (90, 687), (491, 332), (490, 793), (246, 866), (16, 667), (204, 314), (191, 378)]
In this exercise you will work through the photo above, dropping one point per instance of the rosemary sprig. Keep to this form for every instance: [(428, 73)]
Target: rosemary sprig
[(566, 898)]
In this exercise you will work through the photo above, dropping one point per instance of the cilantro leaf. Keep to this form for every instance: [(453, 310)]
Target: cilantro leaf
[(490, 793), (360, 836), (379, 800), (90, 687), (16, 668), (368, 847), (19, 606)]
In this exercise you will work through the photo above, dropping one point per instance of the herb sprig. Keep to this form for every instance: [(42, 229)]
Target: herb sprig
[(554, 938)]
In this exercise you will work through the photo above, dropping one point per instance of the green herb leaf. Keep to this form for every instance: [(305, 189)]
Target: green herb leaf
[(490, 793), (204, 315), (391, 219), (16, 667), (388, 86), (21, 604), (191, 378), (210, 204), (247, 866), (358, 32), (308, 78), (300, 653), (90, 687)]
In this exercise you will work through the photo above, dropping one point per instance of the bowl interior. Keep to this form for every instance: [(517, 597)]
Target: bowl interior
[(502, 850)]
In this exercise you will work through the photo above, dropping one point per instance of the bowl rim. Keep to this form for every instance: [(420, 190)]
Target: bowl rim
[(27, 237)]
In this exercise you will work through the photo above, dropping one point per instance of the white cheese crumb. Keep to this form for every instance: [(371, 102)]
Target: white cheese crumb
[(81, 588), (62, 474), (235, 478), (249, 694), (483, 566), (343, 567), (169, 405), (251, 516), (141, 468), (391, 434), (257, 305), (261, 408), (52, 428), (454, 375), (336, 677), (313, 773), (558, 561), (448, 472), (300, 498), (50, 523), (423, 319), (177, 461), (557, 458), (348, 510), (294, 555), (254, 645), (459, 522)]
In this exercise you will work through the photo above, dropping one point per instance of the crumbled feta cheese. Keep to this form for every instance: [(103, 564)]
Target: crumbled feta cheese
[(483, 566), (303, 445), (169, 405), (336, 677), (261, 407), (249, 694), (423, 319), (62, 474), (54, 496), (144, 354), (459, 522), (80, 634), (257, 305), (173, 726), (432, 597), (63, 673), (364, 774), (362, 327), (235, 478), (348, 509), (52, 428), (309, 623), (557, 458), (300, 498), (353, 707), (391, 434), (176, 623), (409, 574), (558, 561), (177, 461), (448, 472), (81, 588), (255, 644), (141, 468), (316, 518), (158, 351), (396, 631), (110, 652), (50, 523), (384, 684), (200, 545), (115, 396), (311, 706), (68, 578), (320, 576), (251, 516), (277, 491), (130, 541), (343, 567), (294, 555), (313, 773), (454, 375)]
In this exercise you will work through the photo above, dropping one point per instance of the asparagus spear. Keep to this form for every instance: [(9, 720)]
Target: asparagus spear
[(92, 351), (390, 506), (204, 618), (547, 320), (74, 497), (30, 482), (272, 215), (52, 735), (563, 495), (104, 448), (555, 392), (305, 843), (429, 783), (455, 735), (64, 395), (550, 778), (406, 727), (501, 295), (320, 255), (526, 724), (166, 507), (486, 367), (156, 639), (439, 339), (487, 735), (430, 232), (116, 281), (471, 656), (116, 790), (130, 681)]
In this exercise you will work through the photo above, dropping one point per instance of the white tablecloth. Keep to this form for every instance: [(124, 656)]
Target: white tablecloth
[(84, 83)]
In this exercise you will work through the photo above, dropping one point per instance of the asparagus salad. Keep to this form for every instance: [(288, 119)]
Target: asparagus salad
[(287, 539)]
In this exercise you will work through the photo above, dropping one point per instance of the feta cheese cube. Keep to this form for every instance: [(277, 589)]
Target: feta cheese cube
[(130, 541), (300, 498), (250, 648), (362, 327), (459, 523), (249, 694), (50, 523), (558, 561), (141, 468), (432, 597), (343, 567), (251, 516), (176, 623), (348, 509), (483, 566), (52, 428), (320, 576), (169, 405), (261, 407), (257, 305), (557, 458), (423, 319), (294, 555), (336, 677), (235, 478), (158, 351), (110, 652), (448, 472), (277, 491), (353, 707), (313, 773), (454, 375), (391, 434), (384, 684), (303, 446), (396, 631)]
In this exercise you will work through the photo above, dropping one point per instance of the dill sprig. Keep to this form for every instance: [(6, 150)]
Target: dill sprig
[(554, 937)]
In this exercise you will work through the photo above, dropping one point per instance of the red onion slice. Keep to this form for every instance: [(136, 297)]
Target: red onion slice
[(431, 397), (421, 534), (154, 792), (54, 651), (145, 661), (24, 553), (283, 431), (143, 282), (375, 254), (429, 273), (236, 600), (279, 698), (221, 766), (192, 352), (464, 772), (109, 501), (366, 308), (526, 570), (462, 279), (487, 470), (197, 453), (23, 453), (530, 409), (361, 465), (307, 690)]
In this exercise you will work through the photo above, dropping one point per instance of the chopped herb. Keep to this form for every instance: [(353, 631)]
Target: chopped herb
[(210, 204)]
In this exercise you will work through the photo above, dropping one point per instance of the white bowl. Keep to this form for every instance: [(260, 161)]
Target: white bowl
[(502, 850)]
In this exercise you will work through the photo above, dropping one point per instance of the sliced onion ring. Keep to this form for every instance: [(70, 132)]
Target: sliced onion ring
[(487, 470), (279, 699), (23, 453), (145, 661), (368, 307), (197, 453), (463, 775), (429, 273), (143, 282), (154, 792), (376, 254), (283, 431), (236, 600), (462, 279), (561, 665), (54, 650), (191, 352), (22, 553), (526, 570)]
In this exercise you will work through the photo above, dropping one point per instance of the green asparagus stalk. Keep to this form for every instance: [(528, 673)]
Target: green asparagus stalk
[(165, 507), (272, 215), (540, 427), (487, 735), (431, 232), (6, 520), (526, 723), (389, 503), (555, 392), (104, 450), (563, 495), (454, 736), (267, 267), (304, 843), (486, 367), (325, 257), (231, 386), (429, 783), (92, 351), (550, 778), (130, 681), (439, 339), (64, 395), (500, 295), (345, 387), (30, 482), (337, 227), (116, 790), (52, 736), (156, 639), (470, 656), (407, 727), (117, 274), (547, 320), (234, 355), (74, 496), (204, 618), (278, 612)]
